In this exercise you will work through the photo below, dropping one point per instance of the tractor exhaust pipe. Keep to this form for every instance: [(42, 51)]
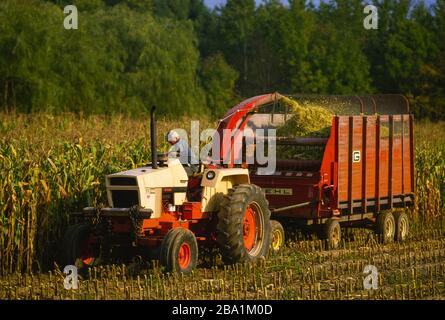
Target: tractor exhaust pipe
[(154, 147)]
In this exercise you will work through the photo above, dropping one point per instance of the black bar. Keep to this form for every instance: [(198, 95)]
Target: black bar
[(351, 141), (154, 155)]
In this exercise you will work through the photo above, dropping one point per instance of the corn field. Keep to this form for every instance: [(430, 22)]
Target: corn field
[(303, 270), (53, 165)]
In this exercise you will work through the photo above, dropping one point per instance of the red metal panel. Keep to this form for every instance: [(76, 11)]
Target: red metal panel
[(402, 139), (299, 187), (343, 158), (407, 156), (411, 140), (384, 157), (357, 166), (371, 157), (390, 159), (397, 164), (193, 211), (336, 163)]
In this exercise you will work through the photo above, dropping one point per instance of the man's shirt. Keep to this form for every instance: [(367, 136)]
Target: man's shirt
[(182, 150)]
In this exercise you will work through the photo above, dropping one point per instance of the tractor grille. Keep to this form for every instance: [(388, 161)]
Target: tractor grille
[(124, 198), (123, 182)]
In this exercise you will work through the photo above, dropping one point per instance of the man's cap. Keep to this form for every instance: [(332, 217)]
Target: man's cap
[(172, 136)]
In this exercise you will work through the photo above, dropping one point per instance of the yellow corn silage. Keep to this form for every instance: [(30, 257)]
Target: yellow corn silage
[(306, 120)]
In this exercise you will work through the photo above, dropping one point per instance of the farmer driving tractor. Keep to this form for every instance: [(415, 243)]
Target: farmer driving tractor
[(180, 149)]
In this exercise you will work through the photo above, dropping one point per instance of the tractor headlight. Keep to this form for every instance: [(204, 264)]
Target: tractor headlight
[(210, 175)]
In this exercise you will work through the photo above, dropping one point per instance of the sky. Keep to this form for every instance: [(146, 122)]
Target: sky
[(213, 3)]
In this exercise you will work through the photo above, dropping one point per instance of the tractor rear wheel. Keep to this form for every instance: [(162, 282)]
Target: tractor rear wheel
[(179, 251), (331, 232), (277, 236), (78, 247), (402, 226), (385, 227), (243, 230)]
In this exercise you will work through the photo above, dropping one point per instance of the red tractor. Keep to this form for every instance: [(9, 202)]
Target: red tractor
[(359, 177)]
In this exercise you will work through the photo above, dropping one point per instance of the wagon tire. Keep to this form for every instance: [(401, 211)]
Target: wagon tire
[(385, 227), (179, 251), (278, 237), (331, 233), (402, 226), (243, 229)]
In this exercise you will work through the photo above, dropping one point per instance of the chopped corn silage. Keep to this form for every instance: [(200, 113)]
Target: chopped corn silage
[(307, 120), (311, 118)]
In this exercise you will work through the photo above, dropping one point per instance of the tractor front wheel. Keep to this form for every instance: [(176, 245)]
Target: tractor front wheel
[(179, 251), (79, 247), (243, 230)]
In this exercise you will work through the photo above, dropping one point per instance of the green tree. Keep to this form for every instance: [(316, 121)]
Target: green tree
[(82, 5), (218, 80), (27, 37), (437, 94), (401, 52), (236, 28), (269, 52), (337, 59)]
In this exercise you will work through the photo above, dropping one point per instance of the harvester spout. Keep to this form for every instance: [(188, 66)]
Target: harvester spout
[(154, 148)]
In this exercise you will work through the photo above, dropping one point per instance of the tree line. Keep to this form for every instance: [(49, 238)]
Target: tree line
[(127, 55)]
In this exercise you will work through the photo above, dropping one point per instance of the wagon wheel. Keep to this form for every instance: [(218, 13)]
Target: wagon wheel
[(277, 236), (179, 251), (243, 230), (331, 232), (402, 226), (385, 227)]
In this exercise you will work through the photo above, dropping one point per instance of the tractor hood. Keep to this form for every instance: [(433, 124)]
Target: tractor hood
[(144, 186), (172, 175)]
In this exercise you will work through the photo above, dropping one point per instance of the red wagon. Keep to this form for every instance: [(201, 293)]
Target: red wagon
[(364, 169)]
